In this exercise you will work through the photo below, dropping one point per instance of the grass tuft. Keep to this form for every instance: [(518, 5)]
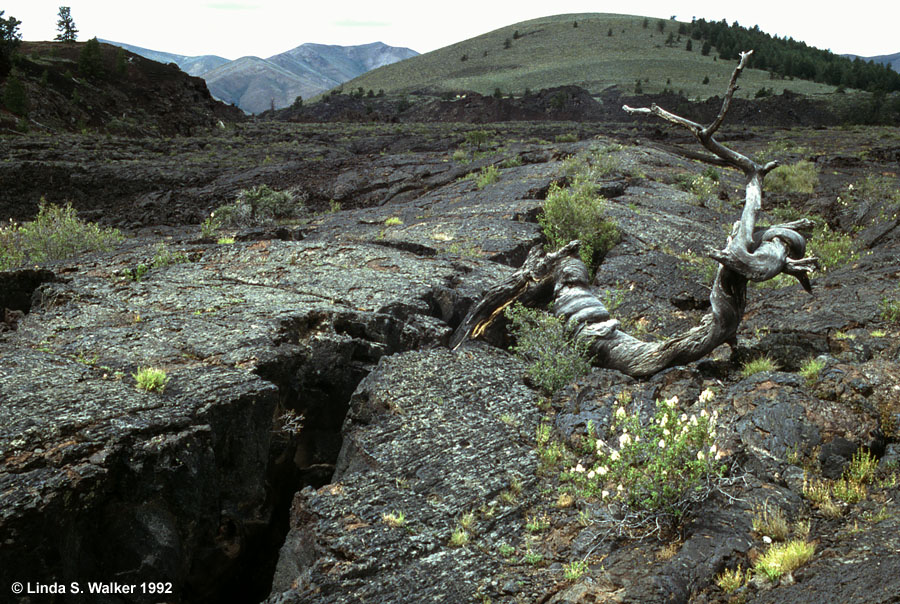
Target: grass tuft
[(783, 558), (150, 379)]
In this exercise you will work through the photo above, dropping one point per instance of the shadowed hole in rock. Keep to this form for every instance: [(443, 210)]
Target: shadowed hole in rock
[(316, 377), (16, 292)]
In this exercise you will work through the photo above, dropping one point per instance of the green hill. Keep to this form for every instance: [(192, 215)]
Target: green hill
[(594, 51)]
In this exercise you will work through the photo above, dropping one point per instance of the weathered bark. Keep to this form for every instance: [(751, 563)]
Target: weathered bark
[(750, 254)]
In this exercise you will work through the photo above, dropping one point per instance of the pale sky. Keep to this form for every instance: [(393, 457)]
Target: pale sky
[(235, 28)]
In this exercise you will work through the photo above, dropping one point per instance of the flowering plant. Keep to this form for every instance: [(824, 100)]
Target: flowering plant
[(662, 466)]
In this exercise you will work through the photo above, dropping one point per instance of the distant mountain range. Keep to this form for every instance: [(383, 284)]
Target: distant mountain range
[(256, 84), (892, 61)]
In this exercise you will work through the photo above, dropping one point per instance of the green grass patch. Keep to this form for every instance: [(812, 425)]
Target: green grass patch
[(783, 558), (810, 370), (795, 178), (832, 248), (758, 365)]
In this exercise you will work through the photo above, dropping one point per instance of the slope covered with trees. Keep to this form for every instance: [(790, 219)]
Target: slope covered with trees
[(786, 57)]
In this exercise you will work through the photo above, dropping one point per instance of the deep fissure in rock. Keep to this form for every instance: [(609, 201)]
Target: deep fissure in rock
[(316, 380)]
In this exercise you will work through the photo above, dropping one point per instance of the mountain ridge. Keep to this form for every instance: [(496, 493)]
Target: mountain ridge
[(255, 84)]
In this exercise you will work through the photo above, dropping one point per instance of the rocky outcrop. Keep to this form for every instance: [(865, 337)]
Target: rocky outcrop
[(318, 441)]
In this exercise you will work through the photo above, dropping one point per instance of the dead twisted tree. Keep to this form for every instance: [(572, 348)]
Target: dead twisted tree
[(751, 253)]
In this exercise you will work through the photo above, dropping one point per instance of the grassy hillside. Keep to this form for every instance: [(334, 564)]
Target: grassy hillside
[(601, 51)]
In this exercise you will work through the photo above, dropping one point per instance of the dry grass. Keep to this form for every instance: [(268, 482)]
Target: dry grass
[(550, 52)]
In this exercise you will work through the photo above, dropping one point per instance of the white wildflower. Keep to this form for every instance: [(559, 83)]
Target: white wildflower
[(604, 494), (614, 456), (700, 455), (703, 413), (602, 470), (620, 412), (662, 443), (671, 402), (620, 488), (591, 475), (624, 439), (579, 468), (706, 396)]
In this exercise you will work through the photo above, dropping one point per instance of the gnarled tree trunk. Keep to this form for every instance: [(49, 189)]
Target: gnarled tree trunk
[(750, 254)]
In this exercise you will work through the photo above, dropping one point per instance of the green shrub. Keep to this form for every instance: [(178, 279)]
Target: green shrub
[(260, 205), (477, 138), (570, 137), (662, 466), (488, 176), (890, 309), (163, 256), (555, 357), (15, 98), (90, 59), (151, 379), (56, 233), (578, 212), (702, 186), (795, 178)]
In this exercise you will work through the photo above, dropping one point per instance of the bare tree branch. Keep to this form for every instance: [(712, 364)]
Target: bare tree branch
[(751, 253)]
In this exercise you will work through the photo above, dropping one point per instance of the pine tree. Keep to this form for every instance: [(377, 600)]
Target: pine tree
[(10, 38), (66, 26), (90, 60)]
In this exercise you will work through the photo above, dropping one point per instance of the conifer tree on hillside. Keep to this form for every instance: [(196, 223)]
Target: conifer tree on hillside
[(9, 40), (66, 26)]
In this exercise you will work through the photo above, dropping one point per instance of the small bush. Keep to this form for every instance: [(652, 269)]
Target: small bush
[(394, 519), (874, 189), (151, 379), (56, 233), (578, 212), (15, 99), (702, 186), (771, 521), (796, 178), (661, 467), (260, 205), (574, 569), (477, 138), (783, 558), (730, 580), (890, 309), (459, 537), (488, 176), (555, 357)]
